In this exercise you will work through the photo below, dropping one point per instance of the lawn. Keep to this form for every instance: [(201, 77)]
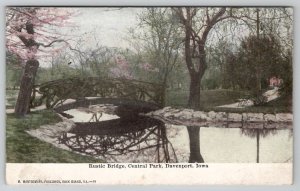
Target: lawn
[(11, 98), (23, 148), (210, 99), (11, 93)]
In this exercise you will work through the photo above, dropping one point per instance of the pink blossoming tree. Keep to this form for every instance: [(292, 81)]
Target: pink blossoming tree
[(122, 68), (31, 34)]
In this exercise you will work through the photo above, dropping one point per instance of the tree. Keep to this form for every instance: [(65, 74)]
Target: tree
[(160, 41), (267, 27), (29, 31), (277, 23), (197, 24), (220, 72), (264, 53)]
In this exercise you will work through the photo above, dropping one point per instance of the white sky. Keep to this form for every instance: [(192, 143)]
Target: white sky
[(109, 24), (110, 27)]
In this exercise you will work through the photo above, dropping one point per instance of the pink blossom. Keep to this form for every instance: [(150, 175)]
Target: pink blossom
[(43, 19), (148, 67), (122, 68)]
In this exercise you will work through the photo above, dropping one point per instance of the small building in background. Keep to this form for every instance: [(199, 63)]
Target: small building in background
[(275, 81)]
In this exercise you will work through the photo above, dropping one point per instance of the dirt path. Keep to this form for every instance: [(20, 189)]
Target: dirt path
[(270, 95)]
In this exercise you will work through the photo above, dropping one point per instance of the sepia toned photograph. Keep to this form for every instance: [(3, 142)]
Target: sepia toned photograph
[(149, 87)]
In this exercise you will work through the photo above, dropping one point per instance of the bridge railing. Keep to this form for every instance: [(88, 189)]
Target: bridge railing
[(54, 92)]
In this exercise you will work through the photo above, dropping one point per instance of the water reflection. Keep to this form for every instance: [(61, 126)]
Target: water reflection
[(142, 140), (261, 133), (194, 138), (149, 140)]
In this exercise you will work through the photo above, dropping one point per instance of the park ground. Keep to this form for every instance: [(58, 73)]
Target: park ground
[(21, 147)]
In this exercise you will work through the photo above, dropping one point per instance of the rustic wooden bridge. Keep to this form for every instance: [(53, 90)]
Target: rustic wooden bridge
[(105, 90)]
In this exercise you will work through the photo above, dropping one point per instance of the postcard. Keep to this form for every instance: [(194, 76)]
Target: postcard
[(149, 95)]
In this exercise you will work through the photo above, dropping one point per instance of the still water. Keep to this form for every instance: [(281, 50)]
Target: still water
[(147, 140)]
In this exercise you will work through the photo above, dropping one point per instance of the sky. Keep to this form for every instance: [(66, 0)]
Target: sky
[(109, 24), (110, 27)]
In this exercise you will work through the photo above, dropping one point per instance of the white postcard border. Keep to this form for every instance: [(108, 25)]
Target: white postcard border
[(150, 174)]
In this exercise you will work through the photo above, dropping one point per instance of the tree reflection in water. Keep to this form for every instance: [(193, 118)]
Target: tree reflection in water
[(142, 140), (194, 137), (258, 133)]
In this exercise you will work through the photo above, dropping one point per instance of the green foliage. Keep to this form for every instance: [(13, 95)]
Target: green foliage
[(255, 61), (211, 79), (58, 72), (287, 75), (221, 71), (158, 44), (264, 56)]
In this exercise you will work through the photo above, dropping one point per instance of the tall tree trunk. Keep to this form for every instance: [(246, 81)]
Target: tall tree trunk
[(257, 146), (194, 96), (194, 47), (165, 85), (258, 67), (196, 77), (27, 83), (195, 155)]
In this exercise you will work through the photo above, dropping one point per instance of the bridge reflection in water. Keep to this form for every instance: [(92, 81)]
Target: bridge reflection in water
[(141, 140)]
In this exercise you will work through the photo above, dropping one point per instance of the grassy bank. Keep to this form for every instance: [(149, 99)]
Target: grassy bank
[(23, 148), (11, 98), (210, 99), (281, 105)]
